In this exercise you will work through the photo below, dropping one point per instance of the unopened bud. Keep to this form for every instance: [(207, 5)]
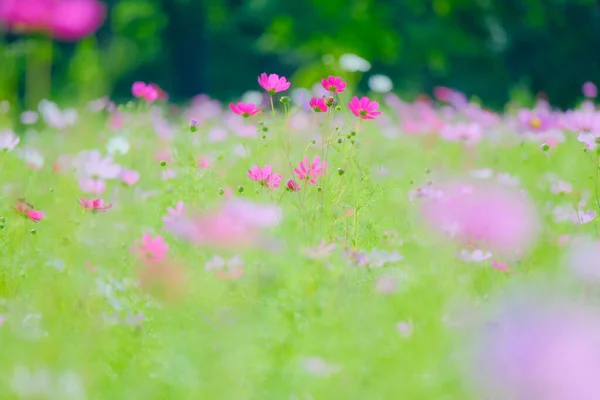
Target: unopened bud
[(284, 99), (329, 101), (340, 171), (163, 163), (240, 189), (221, 191), (544, 147), (193, 125)]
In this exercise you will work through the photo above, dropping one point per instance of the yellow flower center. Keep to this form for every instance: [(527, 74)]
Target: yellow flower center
[(535, 122)]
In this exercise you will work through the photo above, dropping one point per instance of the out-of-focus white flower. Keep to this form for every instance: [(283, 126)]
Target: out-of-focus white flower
[(55, 117), (477, 255), (319, 367), (352, 62), (29, 117), (253, 96), (8, 140), (33, 158), (380, 83), (118, 145)]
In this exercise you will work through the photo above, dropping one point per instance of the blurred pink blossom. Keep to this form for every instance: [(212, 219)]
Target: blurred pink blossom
[(537, 349), (151, 249), (236, 224), (499, 219), (68, 20)]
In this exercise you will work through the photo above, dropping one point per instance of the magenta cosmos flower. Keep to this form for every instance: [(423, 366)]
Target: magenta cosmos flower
[(151, 249), (318, 104), (273, 83), (311, 172), (364, 108), (94, 205), (68, 20), (244, 109), (333, 84), (265, 176), (293, 186), (28, 211), (494, 218)]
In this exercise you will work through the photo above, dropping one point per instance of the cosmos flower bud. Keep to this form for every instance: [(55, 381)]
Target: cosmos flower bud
[(330, 101), (193, 125)]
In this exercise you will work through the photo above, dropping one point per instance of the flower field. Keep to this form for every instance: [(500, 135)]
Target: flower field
[(300, 244)]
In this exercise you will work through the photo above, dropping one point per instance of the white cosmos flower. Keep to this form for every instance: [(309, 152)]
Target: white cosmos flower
[(118, 145), (8, 140), (253, 96), (29, 117), (380, 83), (353, 63)]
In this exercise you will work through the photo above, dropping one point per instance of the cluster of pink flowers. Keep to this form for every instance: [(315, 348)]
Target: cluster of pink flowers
[(68, 20), (149, 92), (235, 225), (265, 176)]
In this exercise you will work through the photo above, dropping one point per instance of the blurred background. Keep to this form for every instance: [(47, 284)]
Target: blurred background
[(492, 49)]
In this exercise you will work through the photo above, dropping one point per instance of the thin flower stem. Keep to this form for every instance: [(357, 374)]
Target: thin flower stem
[(272, 105)]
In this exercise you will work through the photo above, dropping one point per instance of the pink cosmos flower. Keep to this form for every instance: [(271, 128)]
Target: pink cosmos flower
[(265, 176), (174, 212), (273, 83), (538, 120), (364, 108), (67, 20), (151, 249), (94, 205), (145, 91), (499, 219), (129, 177), (27, 210), (318, 104), (589, 90), (333, 84), (92, 186), (244, 109), (293, 186), (311, 172)]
